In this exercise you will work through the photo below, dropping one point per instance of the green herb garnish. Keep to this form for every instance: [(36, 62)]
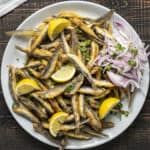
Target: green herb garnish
[(83, 48), (142, 73), (114, 55), (85, 43), (126, 113), (119, 106), (119, 48), (70, 88), (79, 31), (134, 52), (132, 63), (107, 68)]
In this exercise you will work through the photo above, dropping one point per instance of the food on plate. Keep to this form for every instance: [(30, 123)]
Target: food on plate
[(78, 71)]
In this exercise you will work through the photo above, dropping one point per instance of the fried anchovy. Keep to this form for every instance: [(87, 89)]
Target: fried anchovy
[(68, 14), (94, 70), (54, 44), (46, 105), (37, 53), (12, 83), (25, 112), (94, 121), (80, 136), (34, 73), (77, 82), (32, 106), (103, 83), (32, 64), (49, 69), (57, 90), (24, 33), (67, 127), (93, 103), (93, 133), (38, 81), (38, 128), (107, 124), (102, 32), (53, 92), (81, 105), (91, 91), (66, 46), (80, 66), (84, 27), (105, 93), (40, 38), (63, 104), (94, 54), (70, 118), (75, 110), (74, 41), (106, 17), (55, 105), (41, 53)]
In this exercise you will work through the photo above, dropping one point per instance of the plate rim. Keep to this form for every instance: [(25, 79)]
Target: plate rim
[(2, 65)]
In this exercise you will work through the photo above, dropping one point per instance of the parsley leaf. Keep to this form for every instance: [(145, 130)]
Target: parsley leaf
[(79, 31), (132, 63), (70, 88), (134, 52), (85, 43), (83, 48), (119, 48)]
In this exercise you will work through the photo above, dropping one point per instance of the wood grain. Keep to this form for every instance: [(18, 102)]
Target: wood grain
[(136, 137)]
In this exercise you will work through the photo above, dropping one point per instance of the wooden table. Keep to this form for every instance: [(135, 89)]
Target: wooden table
[(136, 137)]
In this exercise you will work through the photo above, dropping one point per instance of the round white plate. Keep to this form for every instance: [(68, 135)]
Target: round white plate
[(11, 54)]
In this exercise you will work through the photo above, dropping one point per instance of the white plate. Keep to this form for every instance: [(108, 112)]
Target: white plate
[(11, 54)]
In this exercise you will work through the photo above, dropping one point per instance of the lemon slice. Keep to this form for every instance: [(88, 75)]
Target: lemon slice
[(107, 105), (26, 86), (64, 74), (56, 26), (56, 121)]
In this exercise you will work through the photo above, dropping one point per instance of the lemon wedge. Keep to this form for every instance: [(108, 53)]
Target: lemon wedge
[(107, 105), (56, 121), (56, 26), (64, 74), (26, 86)]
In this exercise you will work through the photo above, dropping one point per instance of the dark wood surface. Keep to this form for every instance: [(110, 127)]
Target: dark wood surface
[(136, 137)]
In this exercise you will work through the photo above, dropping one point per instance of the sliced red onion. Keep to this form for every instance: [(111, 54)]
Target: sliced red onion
[(121, 81)]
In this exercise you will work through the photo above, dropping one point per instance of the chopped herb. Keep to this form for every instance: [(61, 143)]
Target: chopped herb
[(14, 105), (83, 48), (134, 52), (86, 56), (85, 43), (79, 31), (101, 68), (132, 63), (70, 88), (119, 48), (17, 59), (126, 113), (119, 106), (107, 68), (142, 73), (114, 55), (87, 98)]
